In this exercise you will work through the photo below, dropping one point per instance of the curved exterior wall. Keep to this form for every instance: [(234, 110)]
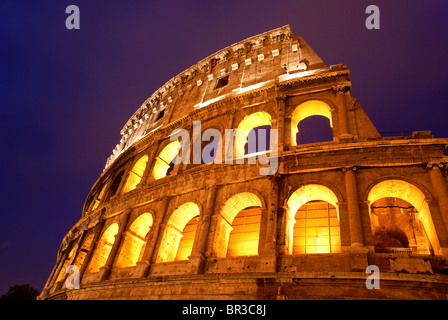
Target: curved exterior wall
[(146, 235)]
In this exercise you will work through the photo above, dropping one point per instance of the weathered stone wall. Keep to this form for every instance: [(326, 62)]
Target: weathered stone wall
[(283, 75)]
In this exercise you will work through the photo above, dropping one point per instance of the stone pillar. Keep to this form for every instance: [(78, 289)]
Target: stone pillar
[(148, 169), (281, 107), (344, 129), (204, 224), (441, 192), (440, 189), (143, 265), (123, 180), (353, 207), (56, 272), (114, 250), (75, 255), (271, 228), (96, 237)]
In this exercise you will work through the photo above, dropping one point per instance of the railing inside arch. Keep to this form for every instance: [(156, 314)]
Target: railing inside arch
[(404, 250)]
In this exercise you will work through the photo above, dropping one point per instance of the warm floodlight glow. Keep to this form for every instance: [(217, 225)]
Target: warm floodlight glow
[(136, 174), (134, 241), (250, 122), (103, 248), (316, 229), (305, 110), (164, 159), (313, 221), (244, 237), (395, 188), (174, 232), (241, 243)]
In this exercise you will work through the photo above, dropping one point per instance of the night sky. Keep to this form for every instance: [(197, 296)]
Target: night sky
[(66, 94)]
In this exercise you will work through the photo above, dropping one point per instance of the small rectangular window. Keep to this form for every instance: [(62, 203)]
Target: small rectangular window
[(222, 82)]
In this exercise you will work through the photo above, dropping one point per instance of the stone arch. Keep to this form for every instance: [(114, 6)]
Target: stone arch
[(164, 159), (411, 193), (103, 248), (178, 220), (115, 184), (254, 120), (135, 174), (323, 223), (233, 206), (307, 109), (134, 241)]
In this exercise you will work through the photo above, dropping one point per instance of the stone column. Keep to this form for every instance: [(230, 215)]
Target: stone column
[(353, 207), (56, 272), (271, 228), (440, 189), (441, 192), (344, 129), (114, 250), (96, 237), (123, 180), (281, 106), (204, 223), (148, 169), (144, 264)]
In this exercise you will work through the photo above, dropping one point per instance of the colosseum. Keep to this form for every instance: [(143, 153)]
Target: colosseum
[(219, 190)]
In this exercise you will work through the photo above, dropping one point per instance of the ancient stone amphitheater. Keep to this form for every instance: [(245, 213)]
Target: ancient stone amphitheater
[(293, 218)]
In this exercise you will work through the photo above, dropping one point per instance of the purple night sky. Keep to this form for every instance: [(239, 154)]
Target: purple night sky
[(65, 94)]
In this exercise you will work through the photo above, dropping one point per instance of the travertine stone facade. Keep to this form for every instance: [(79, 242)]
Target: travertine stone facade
[(225, 231)]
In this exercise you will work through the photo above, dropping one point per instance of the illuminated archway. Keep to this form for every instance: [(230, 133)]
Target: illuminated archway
[(82, 252), (66, 262), (165, 158), (136, 174), (312, 225), (174, 229), (134, 241), (400, 189), (103, 248), (257, 119), (99, 197), (305, 110), (238, 226)]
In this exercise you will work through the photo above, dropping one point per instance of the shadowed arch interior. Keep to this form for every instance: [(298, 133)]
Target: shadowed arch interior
[(395, 188), (254, 120)]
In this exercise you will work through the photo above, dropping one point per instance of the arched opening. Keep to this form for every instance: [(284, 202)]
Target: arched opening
[(400, 219), (258, 140), (174, 232), (165, 160), (99, 197), (66, 262), (135, 174), (314, 129), (313, 221), (244, 237), (86, 245), (238, 226), (134, 241), (103, 248), (187, 239), (115, 185), (255, 120), (305, 110)]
